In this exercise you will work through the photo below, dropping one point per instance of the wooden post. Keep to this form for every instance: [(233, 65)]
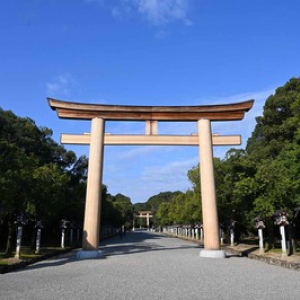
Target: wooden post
[(148, 220), (91, 227), (209, 202)]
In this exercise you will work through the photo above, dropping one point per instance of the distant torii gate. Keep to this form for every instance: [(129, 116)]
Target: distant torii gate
[(99, 114), (146, 214)]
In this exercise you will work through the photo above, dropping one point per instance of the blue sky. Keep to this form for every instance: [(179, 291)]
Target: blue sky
[(145, 52)]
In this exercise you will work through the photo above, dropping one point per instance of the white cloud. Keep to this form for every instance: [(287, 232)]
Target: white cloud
[(247, 125), (174, 171), (139, 152), (160, 12), (140, 186), (60, 85), (156, 12), (244, 127), (161, 34)]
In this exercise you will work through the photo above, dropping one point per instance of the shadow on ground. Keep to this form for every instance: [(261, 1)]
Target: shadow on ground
[(130, 244), (134, 243), (231, 252)]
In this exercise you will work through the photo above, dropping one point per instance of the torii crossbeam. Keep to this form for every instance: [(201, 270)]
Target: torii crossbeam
[(99, 114), (163, 140)]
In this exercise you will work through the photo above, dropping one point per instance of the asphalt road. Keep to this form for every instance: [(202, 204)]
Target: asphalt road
[(150, 266)]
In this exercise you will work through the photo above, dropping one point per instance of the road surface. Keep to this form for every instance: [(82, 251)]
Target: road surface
[(145, 266)]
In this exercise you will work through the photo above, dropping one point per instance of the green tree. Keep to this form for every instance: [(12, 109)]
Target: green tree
[(35, 172), (274, 147)]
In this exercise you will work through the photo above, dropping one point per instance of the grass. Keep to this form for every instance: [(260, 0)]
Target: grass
[(277, 249), (274, 250), (27, 253)]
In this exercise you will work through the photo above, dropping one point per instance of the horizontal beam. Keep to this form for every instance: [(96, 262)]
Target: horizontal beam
[(161, 140), (85, 111)]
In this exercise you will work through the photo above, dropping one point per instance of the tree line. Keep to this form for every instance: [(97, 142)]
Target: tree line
[(42, 180), (257, 180)]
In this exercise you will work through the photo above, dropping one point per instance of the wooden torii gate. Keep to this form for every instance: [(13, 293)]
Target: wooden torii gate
[(144, 214), (99, 114)]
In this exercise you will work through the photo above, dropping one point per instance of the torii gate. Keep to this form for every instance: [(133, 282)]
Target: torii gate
[(146, 214), (99, 114)]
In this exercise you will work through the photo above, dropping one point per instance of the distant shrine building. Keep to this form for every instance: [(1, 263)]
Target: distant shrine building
[(98, 114)]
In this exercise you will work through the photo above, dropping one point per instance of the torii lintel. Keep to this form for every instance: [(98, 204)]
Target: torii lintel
[(83, 111)]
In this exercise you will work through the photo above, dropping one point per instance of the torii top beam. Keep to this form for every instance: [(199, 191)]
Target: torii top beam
[(223, 112)]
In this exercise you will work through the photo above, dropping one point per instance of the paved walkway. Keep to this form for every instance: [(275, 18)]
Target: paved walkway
[(150, 266)]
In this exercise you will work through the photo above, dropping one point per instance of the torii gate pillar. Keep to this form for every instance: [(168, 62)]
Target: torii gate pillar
[(212, 246), (91, 226)]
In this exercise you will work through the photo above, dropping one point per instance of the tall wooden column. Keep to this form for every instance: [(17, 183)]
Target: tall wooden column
[(91, 227), (208, 192)]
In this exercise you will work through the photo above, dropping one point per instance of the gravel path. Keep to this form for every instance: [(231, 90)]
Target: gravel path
[(150, 266)]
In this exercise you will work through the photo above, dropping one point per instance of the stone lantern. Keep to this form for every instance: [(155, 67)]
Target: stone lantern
[(39, 226), (20, 221), (280, 219), (259, 225), (232, 231), (64, 225)]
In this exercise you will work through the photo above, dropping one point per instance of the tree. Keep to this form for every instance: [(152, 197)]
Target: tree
[(255, 181), (153, 205), (274, 146), (36, 173)]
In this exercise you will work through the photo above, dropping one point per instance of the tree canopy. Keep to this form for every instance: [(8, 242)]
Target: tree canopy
[(257, 180), (41, 179)]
